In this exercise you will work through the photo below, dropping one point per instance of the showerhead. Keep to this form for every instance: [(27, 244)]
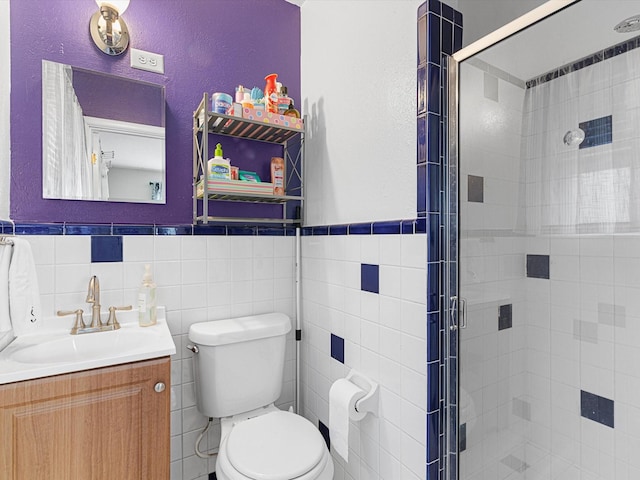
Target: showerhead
[(631, 24), (574, 137)]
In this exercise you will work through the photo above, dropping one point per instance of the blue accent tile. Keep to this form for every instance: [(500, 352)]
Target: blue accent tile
[(434, 183), (433, 436), (433, 337), (324, 430), (433, 37), (241, 231), (39, 229), (597, 408), (370, 278), (433, 290), (505, 316), (421, 225), (422, 89), (433, 135), (271, 231), (433, 470), (87, 229), (422, 10), (447, 36), (433, 386), (386, 228), (338, 230), (457, 38), (290, 231), (360, 229), (538, 266), (447, 12), (422, 139), (597, 132), (433, 88), (307, 232), (421, 197), (457, 18), (433, 238), (209, 230), (133, 230), (321, 230), (408, 227), (106, 248), (174, 230), (337, 348), (434, 6)]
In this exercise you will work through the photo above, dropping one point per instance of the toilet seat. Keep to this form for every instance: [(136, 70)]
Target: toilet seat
[(275, 446)]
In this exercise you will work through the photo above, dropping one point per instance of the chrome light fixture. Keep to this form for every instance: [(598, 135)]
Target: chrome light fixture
[(108, 30)]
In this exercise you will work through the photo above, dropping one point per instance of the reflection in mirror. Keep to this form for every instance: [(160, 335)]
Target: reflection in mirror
[(103, 136)]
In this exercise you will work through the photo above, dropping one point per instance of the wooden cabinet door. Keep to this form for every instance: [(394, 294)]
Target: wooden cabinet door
[(103, 424)]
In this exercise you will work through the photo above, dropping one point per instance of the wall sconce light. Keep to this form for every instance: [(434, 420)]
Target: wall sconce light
[(108, 30)]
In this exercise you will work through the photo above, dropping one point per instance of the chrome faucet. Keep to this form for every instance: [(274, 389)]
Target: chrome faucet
[(93, 297)]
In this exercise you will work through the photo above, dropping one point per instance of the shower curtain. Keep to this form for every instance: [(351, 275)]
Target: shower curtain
[(66, 168), (594, 186)]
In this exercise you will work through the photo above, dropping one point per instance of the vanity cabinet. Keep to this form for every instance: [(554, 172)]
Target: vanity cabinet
[(103, 424), (291, 139)]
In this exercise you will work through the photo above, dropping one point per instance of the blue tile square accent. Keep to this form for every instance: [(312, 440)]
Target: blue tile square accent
[(271, 231), (447, 12), (596, 408), (337, 348), (39, 229), (505, 317), (457, 18), (433, 337), (421, 225), (106, 249), (597, 132), (290, 231), (174, 230), (433, 134), (241, 231), (421, 198), (433, 36), (457, 38), (538, 266), (370, 278), (306, 232), (324, 430), (338, 229), (434, 6), (433, 386), (209, 230), (433, 286), (434, 183), (447, 36), (386, 228), (320, 230)]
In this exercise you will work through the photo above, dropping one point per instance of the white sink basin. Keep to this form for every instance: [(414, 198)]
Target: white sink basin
[(54, 351)]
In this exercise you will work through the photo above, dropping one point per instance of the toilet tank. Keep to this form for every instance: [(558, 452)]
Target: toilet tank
[(240, 363)]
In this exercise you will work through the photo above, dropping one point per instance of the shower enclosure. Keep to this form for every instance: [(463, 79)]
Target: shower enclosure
[(544, 170)]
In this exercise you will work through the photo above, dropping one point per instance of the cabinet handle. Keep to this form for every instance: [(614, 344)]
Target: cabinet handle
[(159, 387)]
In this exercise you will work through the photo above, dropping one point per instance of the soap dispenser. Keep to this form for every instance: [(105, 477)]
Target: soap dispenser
[(147, 300)]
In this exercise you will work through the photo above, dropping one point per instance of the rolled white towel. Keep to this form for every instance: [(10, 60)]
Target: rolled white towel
[(5, 261), (24, 294)]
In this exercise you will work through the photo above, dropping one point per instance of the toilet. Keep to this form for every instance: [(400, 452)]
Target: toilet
[(239, 366)]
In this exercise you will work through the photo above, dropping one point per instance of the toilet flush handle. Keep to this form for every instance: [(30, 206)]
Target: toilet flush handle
[(193, 348)]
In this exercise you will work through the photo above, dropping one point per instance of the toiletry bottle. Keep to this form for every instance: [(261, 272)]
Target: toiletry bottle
[(283, 101), (147, 300), (271, 93), (277, 175), (219, 168), (291, 111), (239, 93)]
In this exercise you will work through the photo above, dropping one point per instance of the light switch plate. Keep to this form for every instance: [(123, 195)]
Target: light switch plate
[(152, 62)]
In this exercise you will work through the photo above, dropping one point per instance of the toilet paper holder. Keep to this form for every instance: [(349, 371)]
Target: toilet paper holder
[(368, 403)]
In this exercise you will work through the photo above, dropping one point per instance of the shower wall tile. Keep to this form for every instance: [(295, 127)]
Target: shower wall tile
[(597, 132)]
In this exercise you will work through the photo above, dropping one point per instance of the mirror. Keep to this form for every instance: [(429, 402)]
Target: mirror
[(103, 136)]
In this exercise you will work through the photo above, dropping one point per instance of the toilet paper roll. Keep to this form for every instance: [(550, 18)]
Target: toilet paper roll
[(343, 396)]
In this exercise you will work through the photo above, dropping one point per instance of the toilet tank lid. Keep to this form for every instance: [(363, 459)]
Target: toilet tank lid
[(234, 330)]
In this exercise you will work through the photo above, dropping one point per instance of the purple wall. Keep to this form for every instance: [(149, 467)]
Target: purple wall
[(208, 46)]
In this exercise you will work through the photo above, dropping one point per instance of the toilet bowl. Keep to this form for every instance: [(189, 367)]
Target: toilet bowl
[(238, 368), (273, 445)]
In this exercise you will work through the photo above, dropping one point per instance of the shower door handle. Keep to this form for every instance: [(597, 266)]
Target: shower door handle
[(453, 313), (463, 312)]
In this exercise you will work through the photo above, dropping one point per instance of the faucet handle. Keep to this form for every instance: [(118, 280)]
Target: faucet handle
[(79, 322), (112, 316)]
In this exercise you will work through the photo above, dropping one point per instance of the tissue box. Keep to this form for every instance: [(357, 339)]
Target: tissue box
[(272, 118)]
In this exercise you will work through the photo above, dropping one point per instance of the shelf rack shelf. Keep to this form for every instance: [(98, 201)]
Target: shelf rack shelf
[(238, 127)]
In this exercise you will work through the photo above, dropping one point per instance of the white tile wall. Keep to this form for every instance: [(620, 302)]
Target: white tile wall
[(199, 279), (384, 338)]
